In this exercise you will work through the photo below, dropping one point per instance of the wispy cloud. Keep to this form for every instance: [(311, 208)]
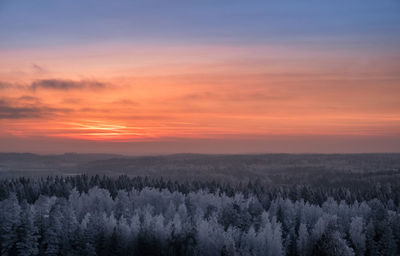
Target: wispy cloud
[(5, 85), (249, 95), (55, 84), (37, 69), (27, 107), (29, 99), (126, 102), (59, 84)]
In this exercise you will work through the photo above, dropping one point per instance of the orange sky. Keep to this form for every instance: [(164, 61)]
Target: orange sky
[(136, 93), (152, 77)]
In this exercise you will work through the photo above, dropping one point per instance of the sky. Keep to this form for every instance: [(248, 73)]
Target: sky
[(162, 77)]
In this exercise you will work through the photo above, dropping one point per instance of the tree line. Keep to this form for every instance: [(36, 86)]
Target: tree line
[(83, 215)]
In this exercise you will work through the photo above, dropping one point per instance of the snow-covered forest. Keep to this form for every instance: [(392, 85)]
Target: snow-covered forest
[(99, 215)]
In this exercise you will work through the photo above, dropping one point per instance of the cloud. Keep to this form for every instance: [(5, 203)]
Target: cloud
[(36, 68), (55, 84), (28, 98), (5, 85), (236, 96), (199, 96), (127, 102), (26, 107), (59, 84), (11, 112), (71, 101)]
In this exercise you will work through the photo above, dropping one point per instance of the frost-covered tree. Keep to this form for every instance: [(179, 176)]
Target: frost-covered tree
[(357, 235), (9, 222), (303, 241), (53, 236), (331, 243), (136, 216), (27, 232)]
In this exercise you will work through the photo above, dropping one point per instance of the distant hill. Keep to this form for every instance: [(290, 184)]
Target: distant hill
[(281, 168)]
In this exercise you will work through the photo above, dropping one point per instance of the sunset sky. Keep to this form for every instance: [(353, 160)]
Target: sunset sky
[(155, 77)]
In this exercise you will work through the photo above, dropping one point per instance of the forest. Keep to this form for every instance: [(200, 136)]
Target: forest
[(102, 215)]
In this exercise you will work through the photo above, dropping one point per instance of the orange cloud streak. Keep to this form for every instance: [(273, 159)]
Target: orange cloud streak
[(156, 93)]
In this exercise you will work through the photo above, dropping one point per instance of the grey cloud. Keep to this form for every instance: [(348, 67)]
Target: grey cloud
[(15, 108), (36, 68), (27, 98), (55, 84), (59, 84), (4, 85), (9, 112)]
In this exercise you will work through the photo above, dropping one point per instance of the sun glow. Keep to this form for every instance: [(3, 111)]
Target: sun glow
[(101, 130), (182, 94)]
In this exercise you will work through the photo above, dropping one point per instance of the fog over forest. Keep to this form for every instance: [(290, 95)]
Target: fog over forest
[(279, 204)]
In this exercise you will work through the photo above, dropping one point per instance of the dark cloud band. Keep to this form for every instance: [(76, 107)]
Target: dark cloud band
[(18, 108), (57, 84)]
